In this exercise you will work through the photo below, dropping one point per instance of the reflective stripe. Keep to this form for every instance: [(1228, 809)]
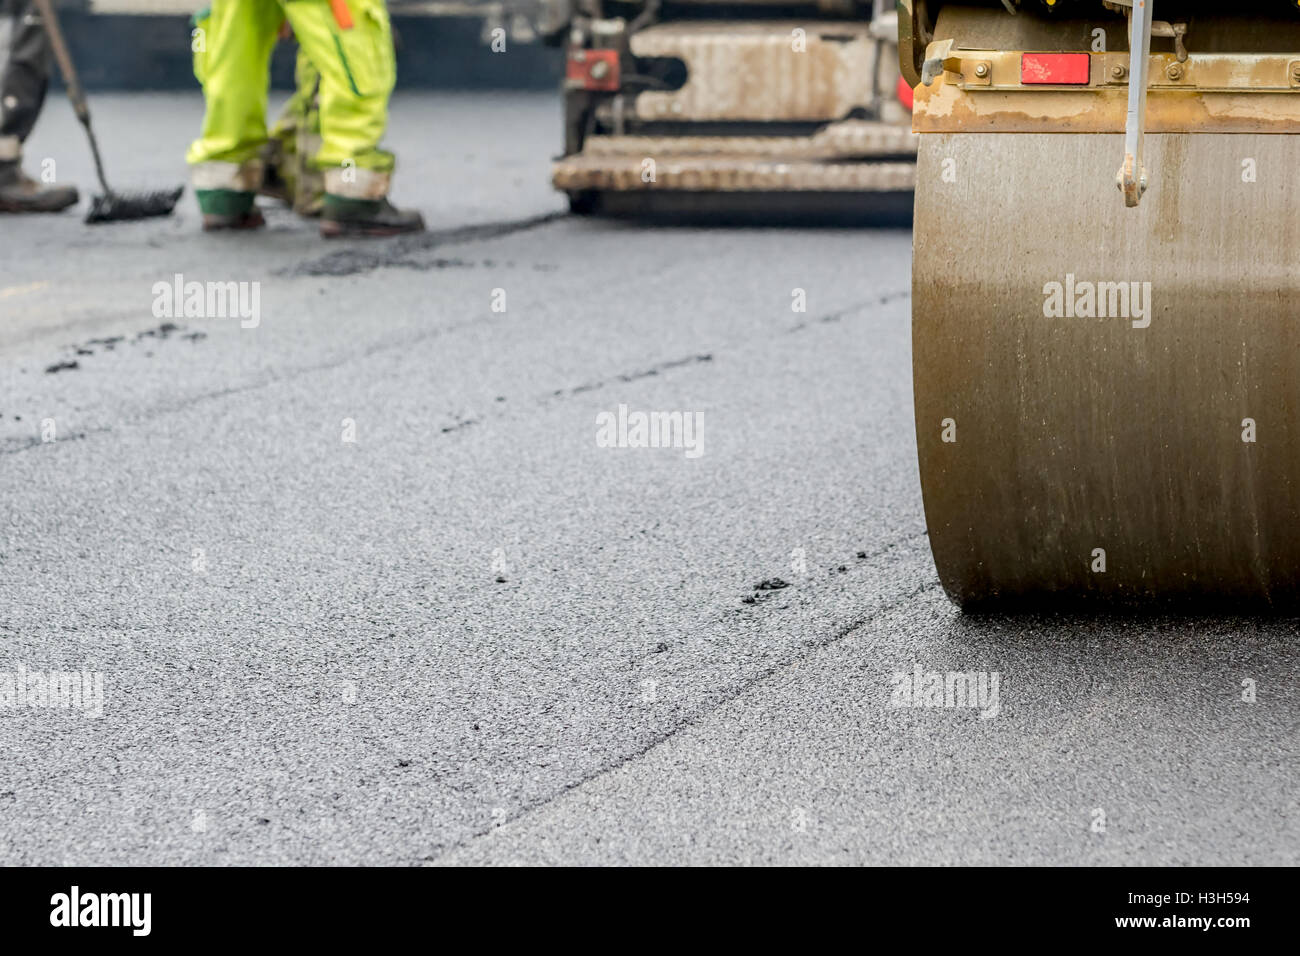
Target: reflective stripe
[(354, 182), (11, 148), (343, 58), (241, 177)]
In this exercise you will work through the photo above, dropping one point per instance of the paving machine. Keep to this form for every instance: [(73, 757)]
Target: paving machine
[(796, 101), (1106, 298)]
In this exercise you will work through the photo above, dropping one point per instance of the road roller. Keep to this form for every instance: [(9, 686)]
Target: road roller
[(698, 105), (1106, 299)]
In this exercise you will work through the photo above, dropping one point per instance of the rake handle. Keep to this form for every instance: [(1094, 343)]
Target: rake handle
[(70, 80)]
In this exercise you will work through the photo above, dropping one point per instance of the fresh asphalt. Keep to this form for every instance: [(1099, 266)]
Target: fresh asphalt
[(472, 634)]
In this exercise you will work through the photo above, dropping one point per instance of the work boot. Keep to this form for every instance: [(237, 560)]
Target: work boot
[(342, 217), (247, 220), (228, 209), (20, 193)]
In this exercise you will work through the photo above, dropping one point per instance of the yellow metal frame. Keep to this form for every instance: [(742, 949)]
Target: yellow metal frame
[(1208, 93)]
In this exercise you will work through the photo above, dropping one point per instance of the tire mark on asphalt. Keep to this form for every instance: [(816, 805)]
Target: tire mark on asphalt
[(400, 253), (160, 411), (12, 448), (461, 424), (735, 692), (704, 357), (626, 377), (768, 588), (831, 317)]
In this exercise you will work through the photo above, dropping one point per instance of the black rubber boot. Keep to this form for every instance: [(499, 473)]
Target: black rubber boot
[(342, 217), (21, 193)]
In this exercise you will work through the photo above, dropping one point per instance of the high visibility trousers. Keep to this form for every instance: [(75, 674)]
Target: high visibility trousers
[(232, 43)]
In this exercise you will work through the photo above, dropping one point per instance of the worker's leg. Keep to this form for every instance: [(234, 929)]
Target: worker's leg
[(351, 44), (232, 43), (24, 73), (24, 77), (295, 141)]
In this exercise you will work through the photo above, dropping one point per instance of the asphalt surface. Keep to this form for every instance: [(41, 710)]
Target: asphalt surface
[(473, 635)]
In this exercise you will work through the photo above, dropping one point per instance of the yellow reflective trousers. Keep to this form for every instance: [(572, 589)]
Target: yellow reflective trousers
[(232, 43)]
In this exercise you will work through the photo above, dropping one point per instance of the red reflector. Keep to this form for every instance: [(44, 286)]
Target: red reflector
[(1064, 69), (904, 93), (593, 70)]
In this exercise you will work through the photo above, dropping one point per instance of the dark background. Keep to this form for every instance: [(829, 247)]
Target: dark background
[(123, 52)]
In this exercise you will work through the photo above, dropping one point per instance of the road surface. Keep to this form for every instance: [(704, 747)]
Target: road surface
[(363, 585)]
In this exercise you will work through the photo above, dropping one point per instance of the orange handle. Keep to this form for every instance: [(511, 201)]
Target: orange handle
[(341, 15)]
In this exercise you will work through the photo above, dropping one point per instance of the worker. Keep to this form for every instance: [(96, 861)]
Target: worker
[(349, 43), (24, 77)]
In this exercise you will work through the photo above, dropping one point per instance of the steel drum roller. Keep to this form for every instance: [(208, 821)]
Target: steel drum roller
[(1082, 437)]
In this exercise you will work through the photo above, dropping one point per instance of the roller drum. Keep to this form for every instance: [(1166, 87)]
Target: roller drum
[(1150, 453)]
